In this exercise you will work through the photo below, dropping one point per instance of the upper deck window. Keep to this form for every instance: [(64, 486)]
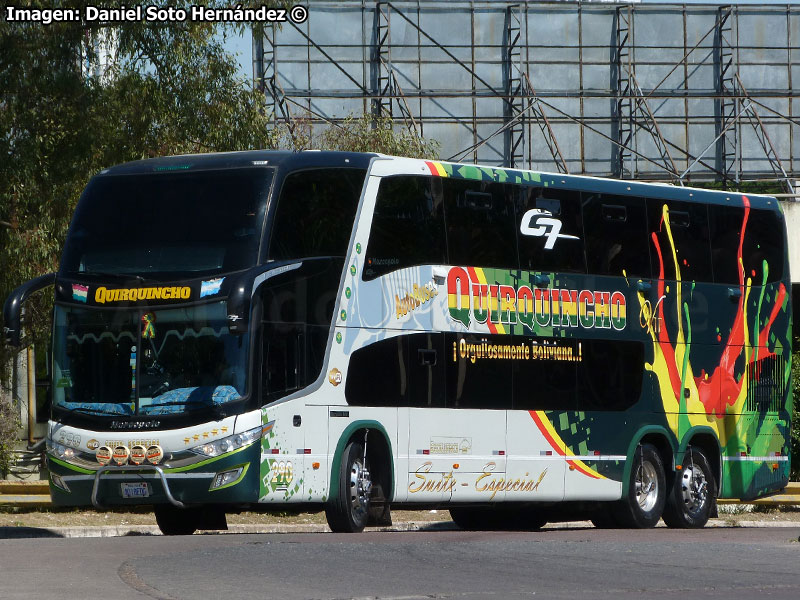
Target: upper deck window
[(679, 240), (480, 223), (762, 245), (408, 225), (176, 225), (315, 214), (550, 230), (616, 235)]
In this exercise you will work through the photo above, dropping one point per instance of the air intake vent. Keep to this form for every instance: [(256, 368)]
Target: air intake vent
[(766, 385)]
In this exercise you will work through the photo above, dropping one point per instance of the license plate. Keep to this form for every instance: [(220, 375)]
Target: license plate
[(135, 490)]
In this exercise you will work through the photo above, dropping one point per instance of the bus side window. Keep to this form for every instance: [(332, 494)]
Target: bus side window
[(610, 374), (426, 364), (378, 374), (473, 379), (411, 369), (550, 230), (407, 226), (480, 224), (544, 385), (688, 224), (616, 235), (763, 241)]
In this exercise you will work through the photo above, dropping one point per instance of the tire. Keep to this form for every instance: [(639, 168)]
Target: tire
[(642, 506), (691, 500), (349, 512), (175, 521), (467, 519), (605, 517)]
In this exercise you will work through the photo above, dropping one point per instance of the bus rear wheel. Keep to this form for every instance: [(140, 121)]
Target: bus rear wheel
[(348, 511), (642, 506), (692, 496)]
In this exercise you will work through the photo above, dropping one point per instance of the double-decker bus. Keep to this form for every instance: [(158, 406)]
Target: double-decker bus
[(358, 332)]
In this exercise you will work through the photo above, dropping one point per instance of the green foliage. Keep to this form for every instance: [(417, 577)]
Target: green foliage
[(172, 89), (376, 134), (9, 423), (357, 133)]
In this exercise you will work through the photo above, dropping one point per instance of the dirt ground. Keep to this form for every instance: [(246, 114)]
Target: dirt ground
[(50, 517)]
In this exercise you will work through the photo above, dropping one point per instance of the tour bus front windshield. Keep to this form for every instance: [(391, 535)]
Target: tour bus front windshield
[(147, 362), (178, 225)]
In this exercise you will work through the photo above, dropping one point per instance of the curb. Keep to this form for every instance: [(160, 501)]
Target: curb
[(111, 531)]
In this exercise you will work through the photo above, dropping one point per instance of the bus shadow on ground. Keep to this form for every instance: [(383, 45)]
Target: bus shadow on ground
[(14, 533)]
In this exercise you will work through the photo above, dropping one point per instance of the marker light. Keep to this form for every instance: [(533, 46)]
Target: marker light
[(59, 482), (228, 444)]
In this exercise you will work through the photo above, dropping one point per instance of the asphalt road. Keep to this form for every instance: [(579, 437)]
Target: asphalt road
[(562, 563)]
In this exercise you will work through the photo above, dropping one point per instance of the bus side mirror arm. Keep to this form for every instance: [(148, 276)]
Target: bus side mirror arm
[(12, 309)]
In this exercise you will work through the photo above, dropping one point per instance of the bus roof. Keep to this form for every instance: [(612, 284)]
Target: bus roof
[(316, 159), (247, 158)]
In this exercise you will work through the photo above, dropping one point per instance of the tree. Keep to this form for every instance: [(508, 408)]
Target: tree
[(172, 89)]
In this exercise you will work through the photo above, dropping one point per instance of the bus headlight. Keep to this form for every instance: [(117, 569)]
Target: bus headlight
[(59, 450), (228, 444)]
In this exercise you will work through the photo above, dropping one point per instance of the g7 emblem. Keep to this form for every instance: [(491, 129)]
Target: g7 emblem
[(541, 223)]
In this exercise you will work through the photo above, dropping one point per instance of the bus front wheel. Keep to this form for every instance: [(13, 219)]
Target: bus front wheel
[(348, 510), (691, 499), (642, 506), (175, 521)]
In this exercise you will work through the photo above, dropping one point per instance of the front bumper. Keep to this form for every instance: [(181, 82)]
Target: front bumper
[(71, 485)]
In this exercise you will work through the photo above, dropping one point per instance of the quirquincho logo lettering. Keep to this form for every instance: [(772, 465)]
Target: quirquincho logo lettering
[(470, 299), (103, 295)]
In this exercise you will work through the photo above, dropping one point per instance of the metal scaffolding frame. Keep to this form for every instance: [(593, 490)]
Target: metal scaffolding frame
[(658, 121)]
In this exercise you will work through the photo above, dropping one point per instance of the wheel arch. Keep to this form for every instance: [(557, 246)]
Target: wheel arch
[(665, 445), (377, 434)]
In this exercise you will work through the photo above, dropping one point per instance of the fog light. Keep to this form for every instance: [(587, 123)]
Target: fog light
[(121, 454), (138, 454), (59, 482), (224, 478), (104, 454)]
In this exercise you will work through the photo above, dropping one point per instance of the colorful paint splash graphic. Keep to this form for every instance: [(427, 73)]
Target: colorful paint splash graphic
[(707, 399)]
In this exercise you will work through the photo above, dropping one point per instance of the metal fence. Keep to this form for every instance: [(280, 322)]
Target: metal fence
[(670, 92)]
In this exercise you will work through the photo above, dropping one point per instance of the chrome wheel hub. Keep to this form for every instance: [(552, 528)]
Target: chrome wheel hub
[(694, 487), (646, 486), (360, 488)]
